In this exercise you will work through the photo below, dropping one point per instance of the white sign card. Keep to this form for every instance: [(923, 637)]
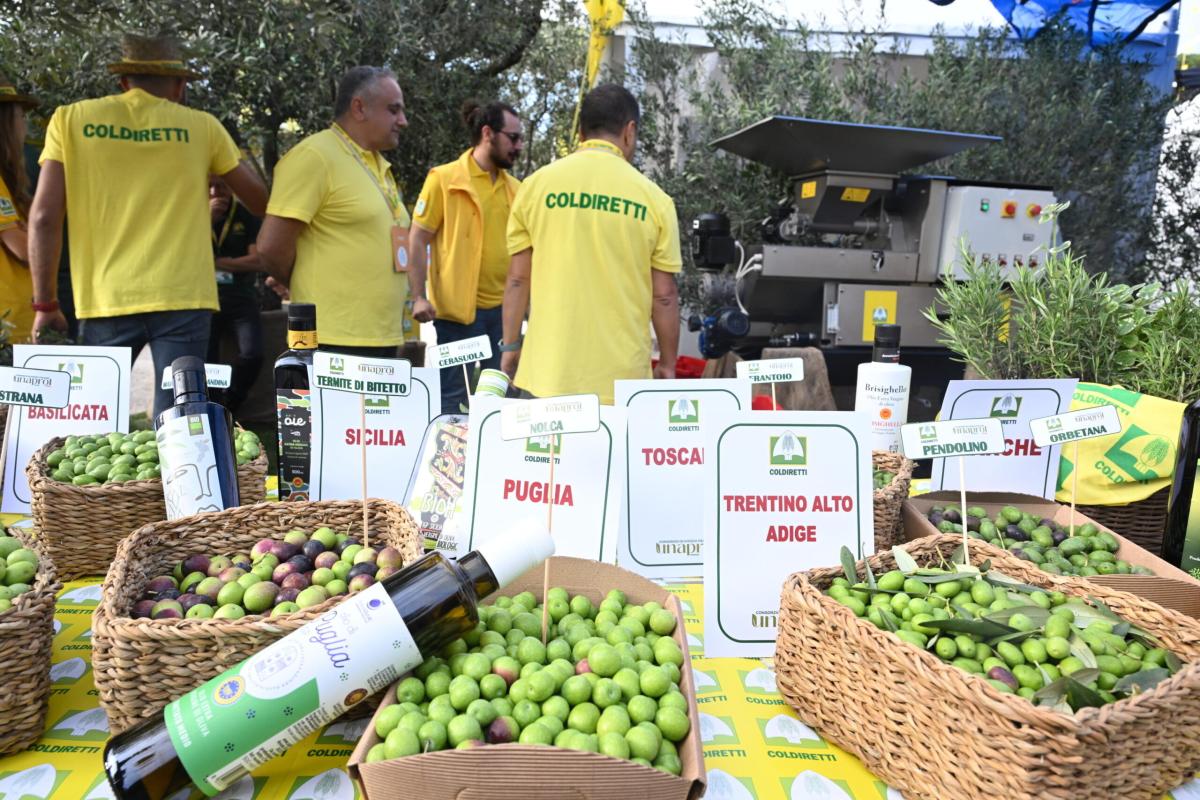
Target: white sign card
[(507, 480), (772, 370), (785, 493), (464, 351), (98, 403), (944, 438), (217, 376), (45, 388), (1075, 426), (1023, 466), (395, 425), (662, 525), (379, 377)]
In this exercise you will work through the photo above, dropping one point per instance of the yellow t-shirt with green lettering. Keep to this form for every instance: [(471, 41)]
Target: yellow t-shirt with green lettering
[(597, 227), (138, 222), (344, 259), (16, 283)]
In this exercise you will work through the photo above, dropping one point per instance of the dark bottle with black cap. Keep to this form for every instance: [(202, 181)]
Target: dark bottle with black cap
[(293, 377), (195, 446)]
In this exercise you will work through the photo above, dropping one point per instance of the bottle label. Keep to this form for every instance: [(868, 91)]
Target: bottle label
[(256, 711), (294, 419), (1189, 562), (886, 407), (191, 479), (302, 340)]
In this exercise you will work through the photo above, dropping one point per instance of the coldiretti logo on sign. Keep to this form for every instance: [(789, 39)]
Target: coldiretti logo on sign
[(337, 365), (683, 414), (1055, 424), (789, 450), (1006, 406), (75, 370), (377, 401), (928, 433), (1141, 455), (541, 444)]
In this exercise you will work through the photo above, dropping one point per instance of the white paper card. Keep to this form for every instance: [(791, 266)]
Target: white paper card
[(787, 491), (507, 484), (662, 525), (772, 370), (1022, 466), (571, 413), (46, 388), (1074, 426), (217, 376), (464, 351), (964, 437), (98, 403), (376, 376)]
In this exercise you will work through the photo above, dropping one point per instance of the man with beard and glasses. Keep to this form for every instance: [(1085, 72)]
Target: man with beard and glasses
[(463, 212)]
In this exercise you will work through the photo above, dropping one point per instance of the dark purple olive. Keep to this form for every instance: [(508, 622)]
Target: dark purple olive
[(286, 596), (936, 518), (312, 548), (158, 585), (190, 599), (341, 546), (301, 563), (1049, 523), (365, 568), (1059, 537), (1016, 534), (1004, 676), (297, 580), (952, 515), (142, 608), (1019, 553), (284, 551), (972, 523), (168, 594), (246, 566)]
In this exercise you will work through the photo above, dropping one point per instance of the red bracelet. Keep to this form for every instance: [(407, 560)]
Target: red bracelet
[(51, 305)]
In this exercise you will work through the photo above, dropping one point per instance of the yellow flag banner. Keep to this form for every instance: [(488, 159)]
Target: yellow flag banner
[(605, 16), (1127, 466)]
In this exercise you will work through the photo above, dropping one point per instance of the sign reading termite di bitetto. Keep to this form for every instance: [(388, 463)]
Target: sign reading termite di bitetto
[(783, 496), (377, 376)]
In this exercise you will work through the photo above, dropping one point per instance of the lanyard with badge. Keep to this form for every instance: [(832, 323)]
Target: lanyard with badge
[(224, 278), (391, 195)]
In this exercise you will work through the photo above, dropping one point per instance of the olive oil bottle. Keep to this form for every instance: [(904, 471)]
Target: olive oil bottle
[(293, 416), (1181, 538), (236, 722)]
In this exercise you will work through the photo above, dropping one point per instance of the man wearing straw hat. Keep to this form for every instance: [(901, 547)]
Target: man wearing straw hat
[(133, 170)]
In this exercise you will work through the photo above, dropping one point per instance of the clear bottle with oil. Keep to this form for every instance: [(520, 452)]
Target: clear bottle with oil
[(293, 416)]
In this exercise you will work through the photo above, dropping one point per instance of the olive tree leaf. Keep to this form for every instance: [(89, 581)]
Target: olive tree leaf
[(1037, 614), (1173, 662), (1011, 637), (1080, 696), (1004, 581), (943, 577), (1080, 650), (870, 574), (979, 627), (904, 562), (848, 565), (986, 565), (959, 556), (1051, 693), (1142, 681), (889, 621)]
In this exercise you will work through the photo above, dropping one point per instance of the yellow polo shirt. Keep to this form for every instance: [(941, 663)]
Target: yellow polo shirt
[(597, 227), (493, 203), (138, 223), (16, 284), (344, 256)]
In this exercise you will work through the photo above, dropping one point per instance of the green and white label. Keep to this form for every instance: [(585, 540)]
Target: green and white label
[(379, 376), (1074, 426), (956, 437), (217, 376), (772, 370), (464, 351), (34, 387), (546, 416), (255, 711)]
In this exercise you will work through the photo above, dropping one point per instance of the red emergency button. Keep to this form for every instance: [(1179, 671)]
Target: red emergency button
[(1033, 210), (1008, 209)]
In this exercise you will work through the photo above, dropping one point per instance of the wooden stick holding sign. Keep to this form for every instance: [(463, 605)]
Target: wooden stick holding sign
[(1074, 427), (955, 437), (772, 371), (464, 351), (366, 377), (550, 418)]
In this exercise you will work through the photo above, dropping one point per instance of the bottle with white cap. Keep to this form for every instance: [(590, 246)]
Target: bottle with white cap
[(217, 733)]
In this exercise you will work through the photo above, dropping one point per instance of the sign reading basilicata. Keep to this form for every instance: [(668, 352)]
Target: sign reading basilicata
[(1075, 426), (773, 370), (955, 437), (377, 376), (34, 387)]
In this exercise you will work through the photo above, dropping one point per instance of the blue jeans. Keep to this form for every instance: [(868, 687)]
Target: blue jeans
[(489, 322), (170, 334)]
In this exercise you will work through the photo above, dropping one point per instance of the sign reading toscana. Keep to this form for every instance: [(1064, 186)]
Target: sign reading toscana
[(1073, 426), (955, 437)]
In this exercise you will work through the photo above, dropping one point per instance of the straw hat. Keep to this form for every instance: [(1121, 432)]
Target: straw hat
[(151, 55), (9, 94)]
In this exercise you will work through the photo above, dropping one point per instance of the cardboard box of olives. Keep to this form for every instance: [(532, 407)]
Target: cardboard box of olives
[(1169, 586), (528, 772)]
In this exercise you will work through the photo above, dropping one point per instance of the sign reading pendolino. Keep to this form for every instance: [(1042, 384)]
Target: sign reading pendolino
[(772, 370), (45, 388), (546, 416), (464, 351), (377, 376), (1087, 423), (954, 437)]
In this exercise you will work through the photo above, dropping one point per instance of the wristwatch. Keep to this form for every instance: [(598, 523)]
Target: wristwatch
[(49, 305), (511, 348)]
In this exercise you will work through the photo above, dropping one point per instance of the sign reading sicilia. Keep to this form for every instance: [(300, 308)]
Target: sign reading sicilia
[(773, 370), (378, 376), (783, 495), (955, 437), (1075, 426)]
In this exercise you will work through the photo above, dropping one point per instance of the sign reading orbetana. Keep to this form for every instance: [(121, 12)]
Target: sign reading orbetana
[(1073, 426), (959, 437)]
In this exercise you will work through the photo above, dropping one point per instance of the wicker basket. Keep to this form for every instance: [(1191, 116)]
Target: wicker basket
[(140, 665), (1142, 522), (67, 518), (26, 632), (933, 731), (890, 497)]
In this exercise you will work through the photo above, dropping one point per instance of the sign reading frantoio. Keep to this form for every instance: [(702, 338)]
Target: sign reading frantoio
[(464, 351), (378, 376), (956, 437), (34, 387), (773, 370), (782, 496), (1074, 426)]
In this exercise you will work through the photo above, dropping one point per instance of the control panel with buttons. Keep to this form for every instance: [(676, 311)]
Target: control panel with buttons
[(1004, 223)]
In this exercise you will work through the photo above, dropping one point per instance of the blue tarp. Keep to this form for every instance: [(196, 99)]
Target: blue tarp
[(1105, 21)]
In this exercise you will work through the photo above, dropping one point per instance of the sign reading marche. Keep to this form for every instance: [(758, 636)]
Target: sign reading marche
[(34, 387), (217, 376), (662, 527), (464, 351), (378, 376), (774, 370), (954, 437), (782, 496), (1076, 425), (571, 413)]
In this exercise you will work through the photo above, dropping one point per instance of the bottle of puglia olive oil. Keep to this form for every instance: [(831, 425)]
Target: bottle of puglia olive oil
[(1181, 539), (293, 375), (221, 731)]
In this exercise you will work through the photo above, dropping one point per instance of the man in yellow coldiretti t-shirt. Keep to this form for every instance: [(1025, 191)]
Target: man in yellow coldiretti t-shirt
[(463, 212), (595, 247), (132, 169), (336, 227)]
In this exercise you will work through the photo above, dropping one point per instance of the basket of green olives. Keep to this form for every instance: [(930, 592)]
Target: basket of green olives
[(76, 481), (975, 674), (892, 474)]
